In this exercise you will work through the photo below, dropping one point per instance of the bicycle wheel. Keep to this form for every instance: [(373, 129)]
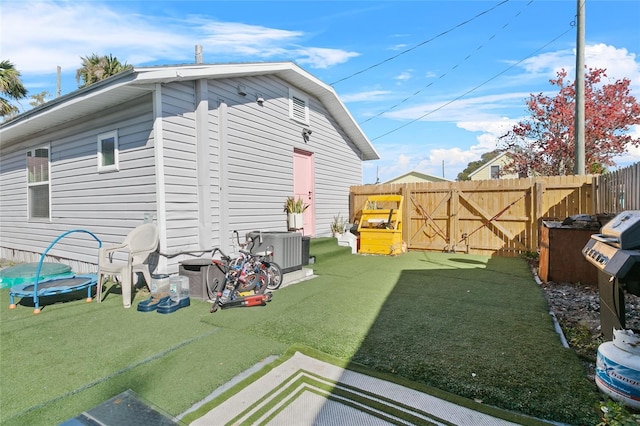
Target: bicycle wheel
[(274, 276), (212, 287), (250, 282), (257, 281)]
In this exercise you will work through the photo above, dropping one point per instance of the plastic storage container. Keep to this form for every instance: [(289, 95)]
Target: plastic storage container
[(178, 287), (201, 273), (159, 284)]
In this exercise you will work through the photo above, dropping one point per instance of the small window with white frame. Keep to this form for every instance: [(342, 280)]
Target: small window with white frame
[(495, 172), (38, 187), (108, 152), (298, 106)]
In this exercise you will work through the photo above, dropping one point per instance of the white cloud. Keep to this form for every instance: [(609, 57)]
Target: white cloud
[(84, 28), (491, 116), (480, 108), (490, 131), (619, 63), (36, 47), (401, 46), (399, 159), (318, 57), (633, 152), (371, 95), (403, 76)]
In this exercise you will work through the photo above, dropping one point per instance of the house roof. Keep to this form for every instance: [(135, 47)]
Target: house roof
[(130, 84), (418, 177)]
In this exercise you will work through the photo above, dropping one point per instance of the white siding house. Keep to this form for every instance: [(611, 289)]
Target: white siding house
[(493, 169), (202, 150)]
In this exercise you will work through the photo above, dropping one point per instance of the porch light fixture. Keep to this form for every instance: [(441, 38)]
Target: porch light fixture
[(306, 134), (242, 91), (259, 99)]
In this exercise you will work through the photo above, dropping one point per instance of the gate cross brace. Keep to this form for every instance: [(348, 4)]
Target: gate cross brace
[(490, 219), (424, 213)]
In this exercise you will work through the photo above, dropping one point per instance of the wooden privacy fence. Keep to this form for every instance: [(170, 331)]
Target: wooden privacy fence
[(618, 191), (499, 216)]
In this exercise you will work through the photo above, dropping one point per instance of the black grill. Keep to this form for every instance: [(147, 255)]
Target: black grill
[(615, 252)]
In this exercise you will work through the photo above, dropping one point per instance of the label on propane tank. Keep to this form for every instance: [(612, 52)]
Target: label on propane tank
[(618, 381)]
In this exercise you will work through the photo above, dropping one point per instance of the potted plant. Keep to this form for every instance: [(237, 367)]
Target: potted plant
[(295, 209), (337, 226)]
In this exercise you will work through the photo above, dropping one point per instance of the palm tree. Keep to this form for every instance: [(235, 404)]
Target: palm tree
[(11, 87), (95, 68)]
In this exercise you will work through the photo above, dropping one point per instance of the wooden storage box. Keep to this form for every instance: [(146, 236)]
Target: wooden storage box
[(561, 258), (380, 226)]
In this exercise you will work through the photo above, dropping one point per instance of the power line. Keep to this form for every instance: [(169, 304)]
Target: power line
[(420, 44), (474, 88), (443, 75)]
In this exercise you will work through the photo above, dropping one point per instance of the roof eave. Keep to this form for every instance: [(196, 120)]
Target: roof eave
[(127, 85)]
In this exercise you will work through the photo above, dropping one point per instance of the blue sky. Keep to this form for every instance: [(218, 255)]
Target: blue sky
[(431, 83)]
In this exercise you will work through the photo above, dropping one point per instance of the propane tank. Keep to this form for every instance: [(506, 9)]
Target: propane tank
[(618, 368)]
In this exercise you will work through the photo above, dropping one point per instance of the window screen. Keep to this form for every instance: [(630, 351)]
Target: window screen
[(38, 183)]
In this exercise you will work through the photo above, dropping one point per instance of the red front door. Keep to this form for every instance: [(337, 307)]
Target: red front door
[(303, 185)]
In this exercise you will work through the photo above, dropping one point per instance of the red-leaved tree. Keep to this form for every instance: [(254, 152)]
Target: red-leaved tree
[(544, 144)]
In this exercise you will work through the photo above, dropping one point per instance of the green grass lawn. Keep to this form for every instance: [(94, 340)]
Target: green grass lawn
[(475, 326)]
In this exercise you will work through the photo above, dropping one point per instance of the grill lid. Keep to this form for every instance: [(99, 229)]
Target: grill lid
[(623, 231)]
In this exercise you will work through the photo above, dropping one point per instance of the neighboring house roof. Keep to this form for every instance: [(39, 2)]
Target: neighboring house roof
[(130, 84), (414, 176), (500, 160)]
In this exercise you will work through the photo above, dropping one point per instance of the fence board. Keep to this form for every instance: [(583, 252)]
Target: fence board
[(619, 190)]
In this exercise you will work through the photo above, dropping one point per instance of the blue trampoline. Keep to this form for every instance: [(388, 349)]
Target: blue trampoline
[(51, 286), (25, 273)]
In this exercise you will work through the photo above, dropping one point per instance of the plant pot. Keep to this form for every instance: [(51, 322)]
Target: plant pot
[(295, 220)]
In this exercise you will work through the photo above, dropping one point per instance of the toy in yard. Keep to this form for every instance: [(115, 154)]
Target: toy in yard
[(54, 286), (380, 227), (244, 283), (23, 273), (260, 260)]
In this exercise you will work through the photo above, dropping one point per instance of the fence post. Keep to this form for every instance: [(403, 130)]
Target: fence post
[(538, 211), (453, 218), (406, 213)]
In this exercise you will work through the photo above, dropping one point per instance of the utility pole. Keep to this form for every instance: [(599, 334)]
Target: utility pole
[(578, 130), (58, 79)]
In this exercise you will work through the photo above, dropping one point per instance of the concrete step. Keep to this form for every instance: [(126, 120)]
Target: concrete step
[(294, 277)]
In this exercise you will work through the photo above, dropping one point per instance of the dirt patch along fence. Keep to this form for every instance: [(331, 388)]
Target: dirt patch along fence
[(491, 217)]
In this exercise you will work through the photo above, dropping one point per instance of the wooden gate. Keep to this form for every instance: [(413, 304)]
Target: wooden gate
[(499, 216)]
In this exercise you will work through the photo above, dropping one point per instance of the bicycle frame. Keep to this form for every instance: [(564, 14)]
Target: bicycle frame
[(243, 285)]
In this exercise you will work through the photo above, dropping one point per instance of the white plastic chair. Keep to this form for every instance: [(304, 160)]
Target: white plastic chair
[(139, 244)]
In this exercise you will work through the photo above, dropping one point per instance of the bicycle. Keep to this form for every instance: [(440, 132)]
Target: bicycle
[(263, 261), (243, 283)]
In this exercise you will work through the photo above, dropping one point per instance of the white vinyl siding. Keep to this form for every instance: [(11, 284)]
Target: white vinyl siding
[(180, 177), (80, 197), (252, 145), (260, 145)]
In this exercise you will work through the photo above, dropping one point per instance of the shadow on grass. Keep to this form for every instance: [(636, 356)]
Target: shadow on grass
[(470, 326), (478, 329), (45, 301)]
